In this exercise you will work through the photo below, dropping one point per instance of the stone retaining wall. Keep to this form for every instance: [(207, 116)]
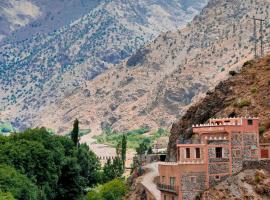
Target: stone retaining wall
[(261, 164)]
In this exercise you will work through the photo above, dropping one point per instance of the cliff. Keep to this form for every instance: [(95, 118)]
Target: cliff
[(246, 93)]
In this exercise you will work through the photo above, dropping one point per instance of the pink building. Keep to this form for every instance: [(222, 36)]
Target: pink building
[(215, 152)]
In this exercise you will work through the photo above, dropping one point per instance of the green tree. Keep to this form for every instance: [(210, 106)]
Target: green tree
[(75, 133), (108, 171), (16, 184), (93, 195), (71, 183), (113, 190), (124, 149), (6, 196), (90, 165)]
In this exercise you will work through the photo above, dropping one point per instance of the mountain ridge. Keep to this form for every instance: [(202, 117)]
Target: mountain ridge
[(158, 83)]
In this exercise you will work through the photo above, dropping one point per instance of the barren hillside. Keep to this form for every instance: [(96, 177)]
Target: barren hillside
[(156, 85)]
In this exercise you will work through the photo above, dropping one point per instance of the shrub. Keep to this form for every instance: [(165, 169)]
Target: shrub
[(250, 62), (253, 89), (261, 129), (232, 73), (259, 177), (113, 190), (6, 196), (242, 103), (17, 184)]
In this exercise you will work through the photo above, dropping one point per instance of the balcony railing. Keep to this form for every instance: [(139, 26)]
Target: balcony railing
[(168, 188)]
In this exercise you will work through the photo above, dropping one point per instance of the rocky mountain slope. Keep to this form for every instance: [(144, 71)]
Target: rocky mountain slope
[(244, 94), (158, 83), (21, 19), (46, 68), (248, 184)]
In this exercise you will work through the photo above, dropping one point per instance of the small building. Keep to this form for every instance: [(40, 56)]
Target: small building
[(216, 151)]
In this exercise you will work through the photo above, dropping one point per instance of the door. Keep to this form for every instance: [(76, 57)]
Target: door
[(264, 153)]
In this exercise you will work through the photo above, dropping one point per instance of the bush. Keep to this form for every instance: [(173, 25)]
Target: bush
[(17, 184), (113, 190), (253, 89), (6, 196), (261, 129), (250, 62), (242, 103), (232, 73)]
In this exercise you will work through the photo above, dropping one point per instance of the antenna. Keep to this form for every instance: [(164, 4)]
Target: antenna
[(255, 36)]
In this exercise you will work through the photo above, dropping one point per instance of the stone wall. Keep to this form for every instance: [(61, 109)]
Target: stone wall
[(237, 165), (199, 184), (213, 181), (261, 164), (190, 189), (237, 139), (190, 195), (216, 168), (250, 139)]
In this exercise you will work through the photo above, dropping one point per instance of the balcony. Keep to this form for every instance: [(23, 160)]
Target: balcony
[(168, 188)]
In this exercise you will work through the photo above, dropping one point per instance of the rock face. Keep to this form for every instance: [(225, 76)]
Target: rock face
[(248, 184), (245, 94), (47, 68)]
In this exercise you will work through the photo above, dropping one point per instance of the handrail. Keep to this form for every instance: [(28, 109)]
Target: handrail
[(168, 188)]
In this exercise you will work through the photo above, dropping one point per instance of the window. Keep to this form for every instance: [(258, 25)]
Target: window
[(187, 152), (218, 152), (193, 179), (172, 181), (165, 197), (250, 122), (173, 198), (198, 153), (217, 178), (253, 152), (163, 179)]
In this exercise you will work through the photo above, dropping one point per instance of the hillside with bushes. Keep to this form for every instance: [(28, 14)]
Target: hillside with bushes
[(157, 84), (245, 93)]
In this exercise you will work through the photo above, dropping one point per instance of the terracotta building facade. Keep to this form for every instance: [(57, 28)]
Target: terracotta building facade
[(215, 152)]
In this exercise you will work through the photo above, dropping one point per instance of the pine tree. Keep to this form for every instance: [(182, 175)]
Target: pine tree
[(124, 150), (75, 133)]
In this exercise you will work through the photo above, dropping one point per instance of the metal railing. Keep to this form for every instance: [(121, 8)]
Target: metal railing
[(168, 188)]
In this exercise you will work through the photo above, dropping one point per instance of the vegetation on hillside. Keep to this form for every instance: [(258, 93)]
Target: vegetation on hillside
[(134, 137)]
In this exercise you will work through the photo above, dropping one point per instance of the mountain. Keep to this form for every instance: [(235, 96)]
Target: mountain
[(21, 19), (244, 94), (46, 69), (158, 83)]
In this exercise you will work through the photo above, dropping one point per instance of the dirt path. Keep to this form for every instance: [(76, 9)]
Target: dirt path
[(148, 179)]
